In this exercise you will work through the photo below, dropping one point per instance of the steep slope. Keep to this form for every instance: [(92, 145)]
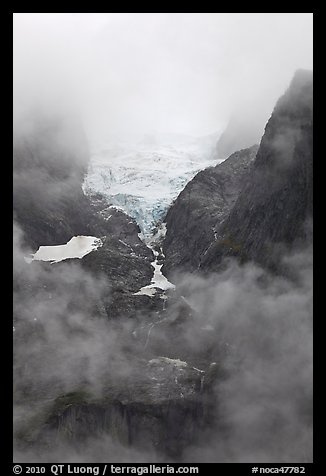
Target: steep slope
[(157, 411), (50, 161), (252, 213), (274, 209), (50, 157), (200, 208), (149, 382), (72, 332)]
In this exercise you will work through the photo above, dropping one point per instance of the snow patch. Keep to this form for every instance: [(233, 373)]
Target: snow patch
[(120, 209), (146, 291), (76, 247)]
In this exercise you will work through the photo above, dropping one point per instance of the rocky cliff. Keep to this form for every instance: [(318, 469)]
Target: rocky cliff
[(50, 160), (72, 318), (157, 410), (273, 212), (50, 157), (252, 213), (193, 220), (97, 365)]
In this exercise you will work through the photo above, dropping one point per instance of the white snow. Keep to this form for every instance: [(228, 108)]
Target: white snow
[(121, 209), (76, 247), (159, 281), (142, 178), (146, 291), (198, 370)]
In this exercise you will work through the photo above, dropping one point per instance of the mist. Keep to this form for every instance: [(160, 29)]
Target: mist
[(265, 402), (83, 335), (256, 327), (185, 73)]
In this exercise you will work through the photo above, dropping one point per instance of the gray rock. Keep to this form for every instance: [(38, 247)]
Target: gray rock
[(273, 213), (200, 208), (251, 207)]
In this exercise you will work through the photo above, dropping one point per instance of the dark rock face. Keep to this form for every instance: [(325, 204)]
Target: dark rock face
[(125, 261), (158, 409), (274, 209), (251, 213), (165, 428), (144, 383), (159, 404), (50, 160), (199, 210)]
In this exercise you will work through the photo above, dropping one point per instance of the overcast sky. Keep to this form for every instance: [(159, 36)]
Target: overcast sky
[(166, 72)]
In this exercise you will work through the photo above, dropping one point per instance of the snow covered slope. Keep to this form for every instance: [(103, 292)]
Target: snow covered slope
[(144, 177)]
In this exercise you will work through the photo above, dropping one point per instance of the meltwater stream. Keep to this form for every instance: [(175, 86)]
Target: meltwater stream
[(142, 177)]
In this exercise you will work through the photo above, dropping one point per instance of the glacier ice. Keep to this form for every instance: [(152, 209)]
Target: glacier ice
[(144, 177)]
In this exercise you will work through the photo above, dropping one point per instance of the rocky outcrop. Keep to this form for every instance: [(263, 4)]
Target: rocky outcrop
[(195, 216), (50, 158), (273, 212), (251, 213), (159, 410), (50, 161), (157, 403), (83, 370)]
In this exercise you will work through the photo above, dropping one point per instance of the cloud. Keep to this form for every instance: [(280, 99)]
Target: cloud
[(264, 322), (185, 73), (179, 72), (255, 326)]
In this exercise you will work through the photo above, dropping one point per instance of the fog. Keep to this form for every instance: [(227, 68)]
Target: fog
[(264, 404), (266, 401), (135, 74), (158, 72)]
